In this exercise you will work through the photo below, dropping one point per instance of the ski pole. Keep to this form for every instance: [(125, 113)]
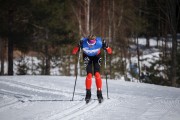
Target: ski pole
[(106, 73), (76, 72)]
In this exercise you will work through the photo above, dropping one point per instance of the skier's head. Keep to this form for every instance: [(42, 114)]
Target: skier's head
[(91, 39)]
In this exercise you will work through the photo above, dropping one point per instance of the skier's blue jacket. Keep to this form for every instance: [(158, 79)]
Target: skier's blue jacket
[(91, 50)]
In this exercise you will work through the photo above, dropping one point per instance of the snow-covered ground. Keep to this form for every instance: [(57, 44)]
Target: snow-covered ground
[(49, 98)]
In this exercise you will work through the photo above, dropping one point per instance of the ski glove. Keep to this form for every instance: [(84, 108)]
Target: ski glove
[(109, 50), (106, 47), (80, 43), (75, 50)]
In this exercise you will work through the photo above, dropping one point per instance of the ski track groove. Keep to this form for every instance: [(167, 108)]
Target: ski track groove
[(21, 98), (13, 101), (14, 94), (31, 86), (75, 111), (8, 106), (9, 103), (70, 113), (37, 88), (162, 106)]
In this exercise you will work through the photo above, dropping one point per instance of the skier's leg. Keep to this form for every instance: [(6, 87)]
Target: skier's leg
[(88, 95), (88, 65), (97, 64), (98, 81), (99, 85), (88, 86), (99, 96), (88, 81)]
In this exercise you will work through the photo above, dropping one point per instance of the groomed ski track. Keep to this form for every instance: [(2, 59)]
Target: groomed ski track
[(75, 111), (49, 98), (15, 98)]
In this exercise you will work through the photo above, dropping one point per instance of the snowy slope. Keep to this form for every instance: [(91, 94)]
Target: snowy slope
[(49, 98)]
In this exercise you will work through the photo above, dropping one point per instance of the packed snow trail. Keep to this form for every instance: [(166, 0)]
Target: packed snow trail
[(49, 98)]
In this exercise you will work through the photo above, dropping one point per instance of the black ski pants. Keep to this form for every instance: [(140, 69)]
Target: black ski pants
[(91, 62)]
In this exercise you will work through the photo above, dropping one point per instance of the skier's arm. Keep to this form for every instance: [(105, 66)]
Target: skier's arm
[(106, 47), (77, 48)]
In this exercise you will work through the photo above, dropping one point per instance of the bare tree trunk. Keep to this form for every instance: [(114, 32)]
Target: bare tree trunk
[(80, 23), (88, 17), (42, 67), (69, 61), (159, 25), (113, 25), (110, 20), (82, 13), (138, 56), (10, 44), (174, 59), (47, 61), (147, 40), (103, 18), (173, 27), (47, 56), (165, 45), (2, 53), (1, 44), (91, 19), (119, 21)]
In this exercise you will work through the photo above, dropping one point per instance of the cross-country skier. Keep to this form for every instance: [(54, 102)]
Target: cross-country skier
[(91, 46)]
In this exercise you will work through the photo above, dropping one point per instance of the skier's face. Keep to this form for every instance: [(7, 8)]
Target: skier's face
[(91, 43)]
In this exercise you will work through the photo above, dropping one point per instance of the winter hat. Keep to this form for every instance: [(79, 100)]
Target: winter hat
[(91, 39)]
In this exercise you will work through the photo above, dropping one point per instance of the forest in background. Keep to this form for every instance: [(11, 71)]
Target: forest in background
[(48, 29)]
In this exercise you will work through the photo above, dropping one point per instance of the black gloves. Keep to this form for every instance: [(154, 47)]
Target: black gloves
[(80, 43), (104, 45)]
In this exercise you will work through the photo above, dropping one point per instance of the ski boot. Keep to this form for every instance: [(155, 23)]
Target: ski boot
[(88, 96), (99, 96)]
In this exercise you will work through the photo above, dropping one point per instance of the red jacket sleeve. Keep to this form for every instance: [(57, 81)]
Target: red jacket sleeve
[(109, 50), (75, 50)]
